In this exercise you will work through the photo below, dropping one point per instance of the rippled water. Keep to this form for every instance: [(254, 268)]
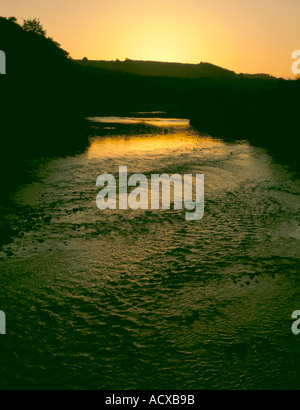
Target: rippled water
[(146, 299)]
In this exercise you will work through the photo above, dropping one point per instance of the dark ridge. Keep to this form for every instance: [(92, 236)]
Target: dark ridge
[(161, 69)]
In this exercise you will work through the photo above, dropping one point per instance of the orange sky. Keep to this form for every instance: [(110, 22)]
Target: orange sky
[(242, 35)]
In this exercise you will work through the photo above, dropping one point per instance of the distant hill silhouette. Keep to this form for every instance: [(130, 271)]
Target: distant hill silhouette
[(162, 69), (165, 69)]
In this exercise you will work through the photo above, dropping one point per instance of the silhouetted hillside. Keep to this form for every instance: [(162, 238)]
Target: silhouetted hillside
[(37, 93), (164, 69), (161, 69), (28, 52)]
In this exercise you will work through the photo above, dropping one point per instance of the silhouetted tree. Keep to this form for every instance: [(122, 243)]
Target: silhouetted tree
[(34, 26), (13, 19)]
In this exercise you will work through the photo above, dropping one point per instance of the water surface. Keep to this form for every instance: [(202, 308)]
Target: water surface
[(145, 299)]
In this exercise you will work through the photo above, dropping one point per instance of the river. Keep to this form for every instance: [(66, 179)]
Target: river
[(143, 299)]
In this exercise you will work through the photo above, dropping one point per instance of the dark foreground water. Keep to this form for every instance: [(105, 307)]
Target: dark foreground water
[(145, 299)]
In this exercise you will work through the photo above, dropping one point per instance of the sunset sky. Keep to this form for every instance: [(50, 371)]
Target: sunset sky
[(241, 35)]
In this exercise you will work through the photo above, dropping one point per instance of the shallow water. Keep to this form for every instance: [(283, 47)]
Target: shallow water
[(145, 299)]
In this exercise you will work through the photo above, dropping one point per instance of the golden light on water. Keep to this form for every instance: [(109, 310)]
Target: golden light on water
[(116, 147), (158, 122), (147, 145)]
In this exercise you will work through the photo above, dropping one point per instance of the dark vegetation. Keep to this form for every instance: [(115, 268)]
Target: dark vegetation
[(38, 109), (46, 95)]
